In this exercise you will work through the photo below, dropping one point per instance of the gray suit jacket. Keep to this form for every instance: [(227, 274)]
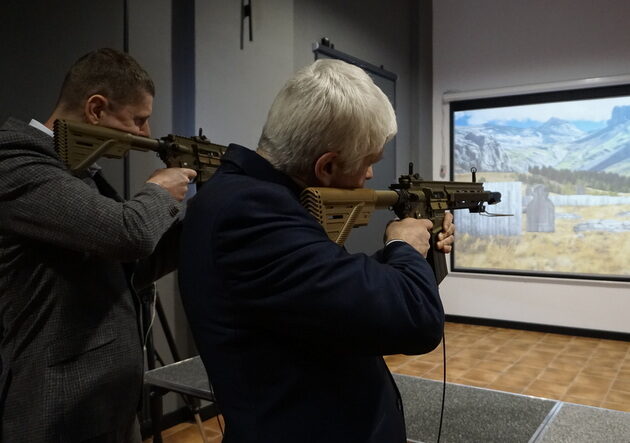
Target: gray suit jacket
[(71, 360)]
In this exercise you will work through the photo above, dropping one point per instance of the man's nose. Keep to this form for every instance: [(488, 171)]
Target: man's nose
[(369, 174), (145, 130)]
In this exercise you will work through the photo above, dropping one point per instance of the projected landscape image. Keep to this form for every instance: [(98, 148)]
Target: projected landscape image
[(563, 169)]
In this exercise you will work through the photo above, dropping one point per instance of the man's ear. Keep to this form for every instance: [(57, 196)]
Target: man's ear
[(325, 168), (94, 107)]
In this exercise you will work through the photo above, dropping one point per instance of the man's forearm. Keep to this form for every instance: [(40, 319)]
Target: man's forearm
[(162, 261)]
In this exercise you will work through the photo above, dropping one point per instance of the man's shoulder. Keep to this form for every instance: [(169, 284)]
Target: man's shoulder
[(12, 129), (18, 136), (13, 124), (17, 132), (232, 187)]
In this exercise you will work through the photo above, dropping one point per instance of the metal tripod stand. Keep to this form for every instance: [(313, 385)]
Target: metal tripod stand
[(150, 298)]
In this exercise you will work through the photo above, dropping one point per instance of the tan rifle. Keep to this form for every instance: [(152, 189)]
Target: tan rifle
[(80, 144), (340, 210)]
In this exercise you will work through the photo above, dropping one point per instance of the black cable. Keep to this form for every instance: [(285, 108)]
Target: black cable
[(443, 385), (216, 404)]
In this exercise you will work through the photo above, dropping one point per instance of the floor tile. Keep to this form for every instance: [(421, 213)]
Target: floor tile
[(618, 397), (514, 380), (555, 338), (417, 367), (599, 371), (615, 345), (608, 354), (558, 376), (496, 366), (611, 363), (593, 393), (594, 381), (524, 370), (502, 356), (546, 389), (436, 373), (616, 406), (578, 350), (580, 400), (623, 375), (536, 361), (473, 353), (621, 385), (568, 362), (521, 345), (506, 388), (481, 375), (510, 351), (455, 373), (530, 336), (549, 347), (463, 362)]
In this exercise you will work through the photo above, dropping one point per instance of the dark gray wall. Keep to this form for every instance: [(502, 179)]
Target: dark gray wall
[(40, 40), (235, 87), (377, 32)]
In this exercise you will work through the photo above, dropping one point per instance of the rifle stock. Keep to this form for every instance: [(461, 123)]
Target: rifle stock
[(340, 210)]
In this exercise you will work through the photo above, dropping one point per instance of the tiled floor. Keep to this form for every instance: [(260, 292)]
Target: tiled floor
[(189, 433), (588, 371)]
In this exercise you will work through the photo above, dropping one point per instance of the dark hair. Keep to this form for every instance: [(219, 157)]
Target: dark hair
[(108, 72)]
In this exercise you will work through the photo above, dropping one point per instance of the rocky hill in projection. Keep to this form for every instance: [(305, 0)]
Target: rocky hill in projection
[(555, 143)]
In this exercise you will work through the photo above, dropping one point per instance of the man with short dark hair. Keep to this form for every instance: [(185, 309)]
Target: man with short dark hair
[(72, 255), (290, 326)]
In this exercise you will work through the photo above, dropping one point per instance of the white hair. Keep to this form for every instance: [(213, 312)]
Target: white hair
[(328, 106)]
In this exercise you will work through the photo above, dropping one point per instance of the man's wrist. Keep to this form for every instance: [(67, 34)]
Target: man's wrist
[(393, 240)]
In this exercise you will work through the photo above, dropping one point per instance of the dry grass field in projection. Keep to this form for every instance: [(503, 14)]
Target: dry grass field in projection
[(591, 252), (562, 251)]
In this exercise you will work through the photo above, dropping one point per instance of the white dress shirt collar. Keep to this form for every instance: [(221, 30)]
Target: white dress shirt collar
[(37, 125)]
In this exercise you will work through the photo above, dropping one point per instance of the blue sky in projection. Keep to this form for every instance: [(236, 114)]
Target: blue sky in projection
[(587, 115)]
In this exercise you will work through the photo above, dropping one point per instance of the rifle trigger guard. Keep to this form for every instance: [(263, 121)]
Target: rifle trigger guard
[(195, 149)]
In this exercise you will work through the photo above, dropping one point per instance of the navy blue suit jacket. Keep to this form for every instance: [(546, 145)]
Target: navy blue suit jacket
[(290, 326)]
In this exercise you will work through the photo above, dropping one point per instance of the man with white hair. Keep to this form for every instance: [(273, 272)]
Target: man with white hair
[(290, 326)]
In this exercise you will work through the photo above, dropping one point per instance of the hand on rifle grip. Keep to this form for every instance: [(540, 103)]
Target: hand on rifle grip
[(174, 180), (416, 232)]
